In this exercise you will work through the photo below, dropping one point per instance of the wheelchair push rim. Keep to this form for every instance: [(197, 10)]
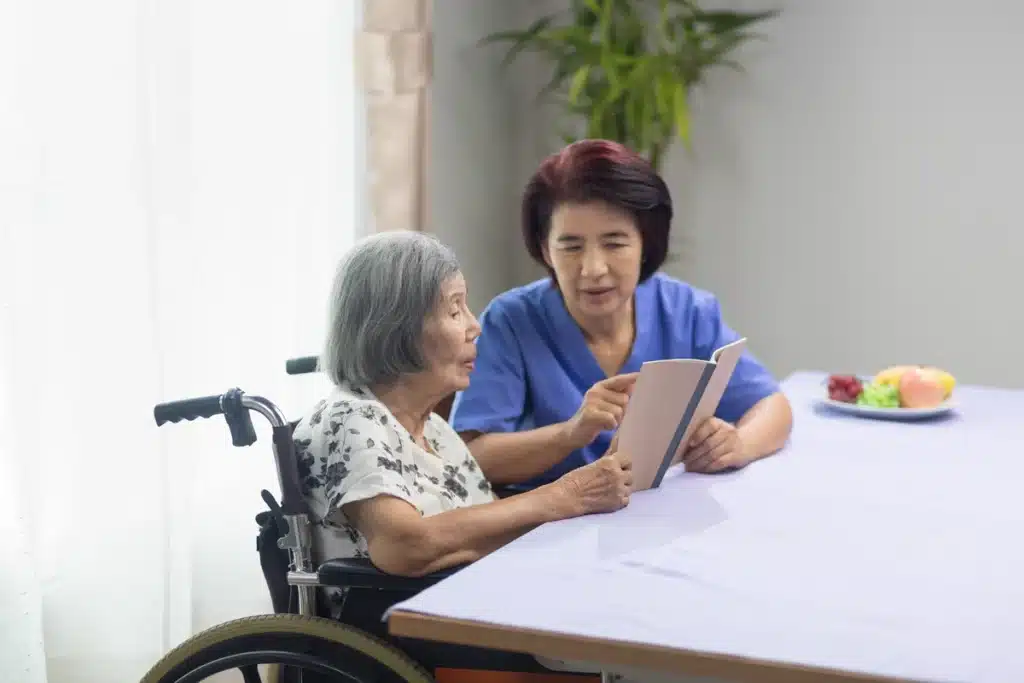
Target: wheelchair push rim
[(330, 650)]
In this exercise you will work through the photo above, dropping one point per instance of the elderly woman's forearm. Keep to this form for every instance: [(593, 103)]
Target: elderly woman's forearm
[(467, 534), (401, 542), (766, 426), (515, 457)]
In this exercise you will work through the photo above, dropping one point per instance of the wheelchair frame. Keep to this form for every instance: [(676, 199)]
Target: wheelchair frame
[(292, 515), (235, 406)]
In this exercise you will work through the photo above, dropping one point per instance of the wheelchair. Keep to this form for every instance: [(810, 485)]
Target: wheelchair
[(300, 642)]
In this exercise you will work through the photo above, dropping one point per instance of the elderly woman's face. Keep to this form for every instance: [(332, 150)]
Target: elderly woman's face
[(449, 335), (595, 251)]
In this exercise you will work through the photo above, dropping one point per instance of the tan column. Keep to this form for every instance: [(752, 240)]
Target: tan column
[(393, 54)]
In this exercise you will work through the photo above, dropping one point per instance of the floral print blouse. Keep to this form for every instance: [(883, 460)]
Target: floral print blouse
[(351, 448)]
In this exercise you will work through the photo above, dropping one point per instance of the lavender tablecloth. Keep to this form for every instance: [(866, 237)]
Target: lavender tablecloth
[(885, 548)]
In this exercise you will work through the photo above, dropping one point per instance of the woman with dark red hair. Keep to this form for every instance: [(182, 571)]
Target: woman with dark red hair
[(556, 358)]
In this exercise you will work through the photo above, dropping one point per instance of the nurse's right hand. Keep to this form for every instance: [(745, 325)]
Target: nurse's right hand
[(602, 409)]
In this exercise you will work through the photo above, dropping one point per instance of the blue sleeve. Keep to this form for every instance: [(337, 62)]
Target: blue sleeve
[(495, 398), (750, 381)]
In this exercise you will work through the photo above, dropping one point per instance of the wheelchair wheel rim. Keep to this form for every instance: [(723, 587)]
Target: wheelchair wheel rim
[(243, 643)]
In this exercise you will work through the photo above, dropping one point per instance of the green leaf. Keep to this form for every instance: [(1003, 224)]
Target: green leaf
[(557, 80), (521, 39), (610, 66), (594, 126), (582, 15), (681, 109), (564, 67), (605, 23), (579, 80), (725, 21), (690, 5), (502, 36), (716, 49), (665, 85)]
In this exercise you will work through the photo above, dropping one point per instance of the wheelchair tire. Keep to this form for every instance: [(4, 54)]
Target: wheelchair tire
[(331, 640)]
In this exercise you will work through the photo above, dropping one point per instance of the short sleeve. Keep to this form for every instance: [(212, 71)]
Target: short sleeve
[(358, 462), (750, 382), (495, 399)]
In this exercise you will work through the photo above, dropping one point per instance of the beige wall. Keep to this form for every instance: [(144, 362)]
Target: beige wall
[(472, 173), (853, 199)]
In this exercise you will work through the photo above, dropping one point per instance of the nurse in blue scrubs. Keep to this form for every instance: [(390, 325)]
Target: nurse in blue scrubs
[(556, 358)]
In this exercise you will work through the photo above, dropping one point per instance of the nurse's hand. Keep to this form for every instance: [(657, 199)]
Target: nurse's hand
[(715, 445), (602, 486), (602, 409)]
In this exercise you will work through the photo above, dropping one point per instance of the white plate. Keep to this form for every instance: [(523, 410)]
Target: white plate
[(943, 408), (890, 413)]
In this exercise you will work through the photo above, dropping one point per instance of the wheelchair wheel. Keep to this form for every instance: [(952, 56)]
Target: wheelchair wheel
[(273, 648)]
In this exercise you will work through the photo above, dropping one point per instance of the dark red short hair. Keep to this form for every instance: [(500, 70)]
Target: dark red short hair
[(606, 171)]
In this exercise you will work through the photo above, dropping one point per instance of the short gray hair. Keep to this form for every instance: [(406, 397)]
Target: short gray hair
[(385, 288)]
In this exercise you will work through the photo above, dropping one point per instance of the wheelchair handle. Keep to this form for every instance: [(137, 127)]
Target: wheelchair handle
[(301, 366), (187, 409), (235, 406), (208, 406)]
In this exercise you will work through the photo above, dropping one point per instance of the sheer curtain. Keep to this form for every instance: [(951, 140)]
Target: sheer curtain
[(177, 182)]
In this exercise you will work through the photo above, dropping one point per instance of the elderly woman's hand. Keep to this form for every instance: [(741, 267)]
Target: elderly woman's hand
[(604, 485)]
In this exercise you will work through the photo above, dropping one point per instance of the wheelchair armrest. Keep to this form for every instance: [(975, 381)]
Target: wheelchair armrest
[(360, 573), (504, 490)]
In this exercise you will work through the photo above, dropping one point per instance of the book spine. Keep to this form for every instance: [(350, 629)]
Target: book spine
[(684, 423)]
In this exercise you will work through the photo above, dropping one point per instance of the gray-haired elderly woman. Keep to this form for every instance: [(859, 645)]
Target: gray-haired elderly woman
[(386, 477)]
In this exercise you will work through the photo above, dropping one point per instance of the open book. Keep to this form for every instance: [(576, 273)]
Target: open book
[(669, 400)]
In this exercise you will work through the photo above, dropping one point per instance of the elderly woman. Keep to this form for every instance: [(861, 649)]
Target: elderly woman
[(557, 358), (386, 477)]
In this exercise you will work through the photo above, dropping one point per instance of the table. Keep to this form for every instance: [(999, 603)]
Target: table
[(865, 550)]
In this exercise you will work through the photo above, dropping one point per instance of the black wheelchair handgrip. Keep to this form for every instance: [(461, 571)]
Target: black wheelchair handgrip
[(187, 409), (301, 366)]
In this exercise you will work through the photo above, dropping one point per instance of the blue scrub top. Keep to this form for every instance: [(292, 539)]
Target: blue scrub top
[(533, 365)]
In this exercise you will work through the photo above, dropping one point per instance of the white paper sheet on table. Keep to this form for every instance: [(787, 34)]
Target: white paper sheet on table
[(865, 547)]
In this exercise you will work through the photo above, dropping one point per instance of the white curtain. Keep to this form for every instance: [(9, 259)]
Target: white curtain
[(177, 181)]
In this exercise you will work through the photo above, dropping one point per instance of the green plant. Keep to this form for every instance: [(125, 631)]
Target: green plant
[(626, 67)]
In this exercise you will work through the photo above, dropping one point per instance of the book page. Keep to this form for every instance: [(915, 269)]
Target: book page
[(659, 400), (724, 360), (741, 344)]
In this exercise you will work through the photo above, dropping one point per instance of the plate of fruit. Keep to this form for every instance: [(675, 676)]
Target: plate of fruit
[(900, 392)]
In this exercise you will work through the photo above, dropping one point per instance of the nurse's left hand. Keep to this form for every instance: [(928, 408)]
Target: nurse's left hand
[(714, 446)]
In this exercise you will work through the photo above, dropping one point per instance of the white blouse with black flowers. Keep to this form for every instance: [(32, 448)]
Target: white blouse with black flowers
[(351, 448)]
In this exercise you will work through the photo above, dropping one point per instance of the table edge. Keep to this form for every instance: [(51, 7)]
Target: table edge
[(604, 651)]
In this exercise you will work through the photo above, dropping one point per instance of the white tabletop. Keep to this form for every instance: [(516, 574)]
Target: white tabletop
[(872, 547)]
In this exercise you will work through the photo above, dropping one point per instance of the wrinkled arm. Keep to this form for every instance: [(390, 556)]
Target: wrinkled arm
[(402, 542), (765, 428), (364, 488)]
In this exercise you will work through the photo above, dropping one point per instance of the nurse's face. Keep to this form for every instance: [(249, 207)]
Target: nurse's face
[(448, 338), (595, 251)]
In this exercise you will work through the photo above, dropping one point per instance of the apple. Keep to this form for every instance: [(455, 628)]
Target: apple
[(919, 389), (941, 377)]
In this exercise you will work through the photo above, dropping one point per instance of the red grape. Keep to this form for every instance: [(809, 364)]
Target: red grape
[(845, 388)]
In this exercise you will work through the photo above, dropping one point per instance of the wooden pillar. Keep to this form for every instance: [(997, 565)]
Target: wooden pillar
[(394, 65)]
